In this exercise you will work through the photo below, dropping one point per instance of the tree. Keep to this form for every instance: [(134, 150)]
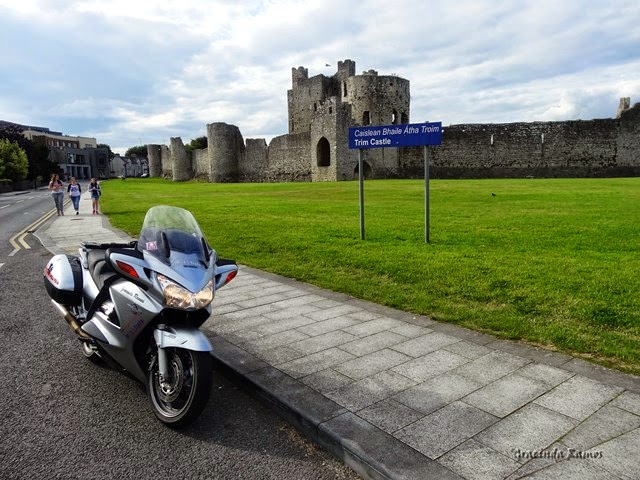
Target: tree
[(196, 144), (13, 161), (37, 152), (104, 145), (138, 151)]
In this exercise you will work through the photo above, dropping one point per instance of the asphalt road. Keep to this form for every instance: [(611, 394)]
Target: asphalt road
[(17, 212), (64, 417)]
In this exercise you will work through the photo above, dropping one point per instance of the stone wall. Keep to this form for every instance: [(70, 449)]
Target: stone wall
[(200, 163), (577, 148)]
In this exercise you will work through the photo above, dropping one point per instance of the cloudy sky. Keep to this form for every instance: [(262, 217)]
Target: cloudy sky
[(132, 72)]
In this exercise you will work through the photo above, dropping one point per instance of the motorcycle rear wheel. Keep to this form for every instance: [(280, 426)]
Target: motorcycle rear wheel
[(180, 399)]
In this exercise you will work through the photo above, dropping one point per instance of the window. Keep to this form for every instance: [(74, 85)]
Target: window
[(323, 153), (366, 120)]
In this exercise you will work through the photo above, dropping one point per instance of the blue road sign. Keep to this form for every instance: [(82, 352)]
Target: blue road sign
[(406, 135)]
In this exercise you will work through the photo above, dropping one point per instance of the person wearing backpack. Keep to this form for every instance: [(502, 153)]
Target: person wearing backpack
[(74, 193), (94, 190)]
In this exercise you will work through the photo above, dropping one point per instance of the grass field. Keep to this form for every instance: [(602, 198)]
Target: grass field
[(552, 262)]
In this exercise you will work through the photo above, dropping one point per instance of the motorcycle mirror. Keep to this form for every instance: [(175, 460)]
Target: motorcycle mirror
[(165, 244), (205, 248)]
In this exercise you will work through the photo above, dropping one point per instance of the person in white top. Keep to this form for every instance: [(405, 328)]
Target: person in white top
[(56, 188), (74, 193)]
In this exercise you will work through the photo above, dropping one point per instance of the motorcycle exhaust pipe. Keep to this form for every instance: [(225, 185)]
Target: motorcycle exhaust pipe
[(71, 320)]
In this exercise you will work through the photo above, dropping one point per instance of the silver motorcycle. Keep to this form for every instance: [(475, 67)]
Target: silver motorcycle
[(138, 307)]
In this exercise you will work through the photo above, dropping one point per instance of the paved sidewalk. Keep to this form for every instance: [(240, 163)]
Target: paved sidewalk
[(400, 396)]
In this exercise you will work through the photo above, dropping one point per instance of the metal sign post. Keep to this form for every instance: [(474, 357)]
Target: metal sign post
[(404, 135), (426, 194), (361, 182)]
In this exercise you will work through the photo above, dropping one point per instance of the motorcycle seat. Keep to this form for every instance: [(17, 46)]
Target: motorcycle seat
[(99, 267)]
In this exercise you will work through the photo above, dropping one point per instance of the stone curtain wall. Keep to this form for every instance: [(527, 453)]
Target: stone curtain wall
[(628, 142), (254, 165), (200, 162), (289, 159), (165, 160), (590, 148)]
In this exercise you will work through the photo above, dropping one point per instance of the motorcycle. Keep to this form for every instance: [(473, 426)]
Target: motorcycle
[(138, 307)]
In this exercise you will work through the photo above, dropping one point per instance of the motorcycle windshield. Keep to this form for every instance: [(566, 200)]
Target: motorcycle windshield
[(168, 230)]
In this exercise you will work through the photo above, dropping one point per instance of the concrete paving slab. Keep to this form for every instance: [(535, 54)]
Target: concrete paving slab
[(474, 461), (604, 425), (436, 392), (316, 362), (430, 365), (419, 346), (389, 415), (327, 380), (445, 429), (530, 429), (368, 365), (547, 374), (620, 456), (506, 395), (326, 326), (578, 397), (411, 331), (370, 390), (491, 367), (372, 343), (572, 470), (376, 325), (322, 342), (628, 401), (468, 349)]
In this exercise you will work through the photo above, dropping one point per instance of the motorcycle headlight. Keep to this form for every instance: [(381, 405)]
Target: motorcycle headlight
[(179, 297)]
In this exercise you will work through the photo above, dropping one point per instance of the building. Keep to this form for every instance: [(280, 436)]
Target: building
[(76, 156)]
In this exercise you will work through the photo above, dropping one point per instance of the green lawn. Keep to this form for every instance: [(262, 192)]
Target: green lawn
[(553, 262)]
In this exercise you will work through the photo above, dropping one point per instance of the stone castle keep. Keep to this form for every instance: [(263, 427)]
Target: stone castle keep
[(322, 109)]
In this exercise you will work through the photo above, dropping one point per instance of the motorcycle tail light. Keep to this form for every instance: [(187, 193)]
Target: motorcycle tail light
[(179, 297)]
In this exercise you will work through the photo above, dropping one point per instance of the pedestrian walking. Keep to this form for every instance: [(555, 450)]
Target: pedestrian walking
[(74, 193), (94, 189), (56, 188)]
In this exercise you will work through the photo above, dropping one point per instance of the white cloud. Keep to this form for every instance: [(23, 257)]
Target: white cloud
[(133, 71)]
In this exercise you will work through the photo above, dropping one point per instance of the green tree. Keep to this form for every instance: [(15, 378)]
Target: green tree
[(138, 151), (104, 145), (196, 144), (14, 164), (37, 152)]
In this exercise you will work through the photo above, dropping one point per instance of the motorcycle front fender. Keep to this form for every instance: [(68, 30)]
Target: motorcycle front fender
[(178, 336)]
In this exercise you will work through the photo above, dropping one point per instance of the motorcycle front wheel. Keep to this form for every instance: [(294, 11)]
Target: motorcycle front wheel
[(179, 399)]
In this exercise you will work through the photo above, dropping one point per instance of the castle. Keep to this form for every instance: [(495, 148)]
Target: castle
[(322, 109)]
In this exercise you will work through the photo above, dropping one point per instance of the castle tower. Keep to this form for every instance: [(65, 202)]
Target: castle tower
[(180, 162), (155, 160), (625, 104), (377, 100), (226, 147)]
